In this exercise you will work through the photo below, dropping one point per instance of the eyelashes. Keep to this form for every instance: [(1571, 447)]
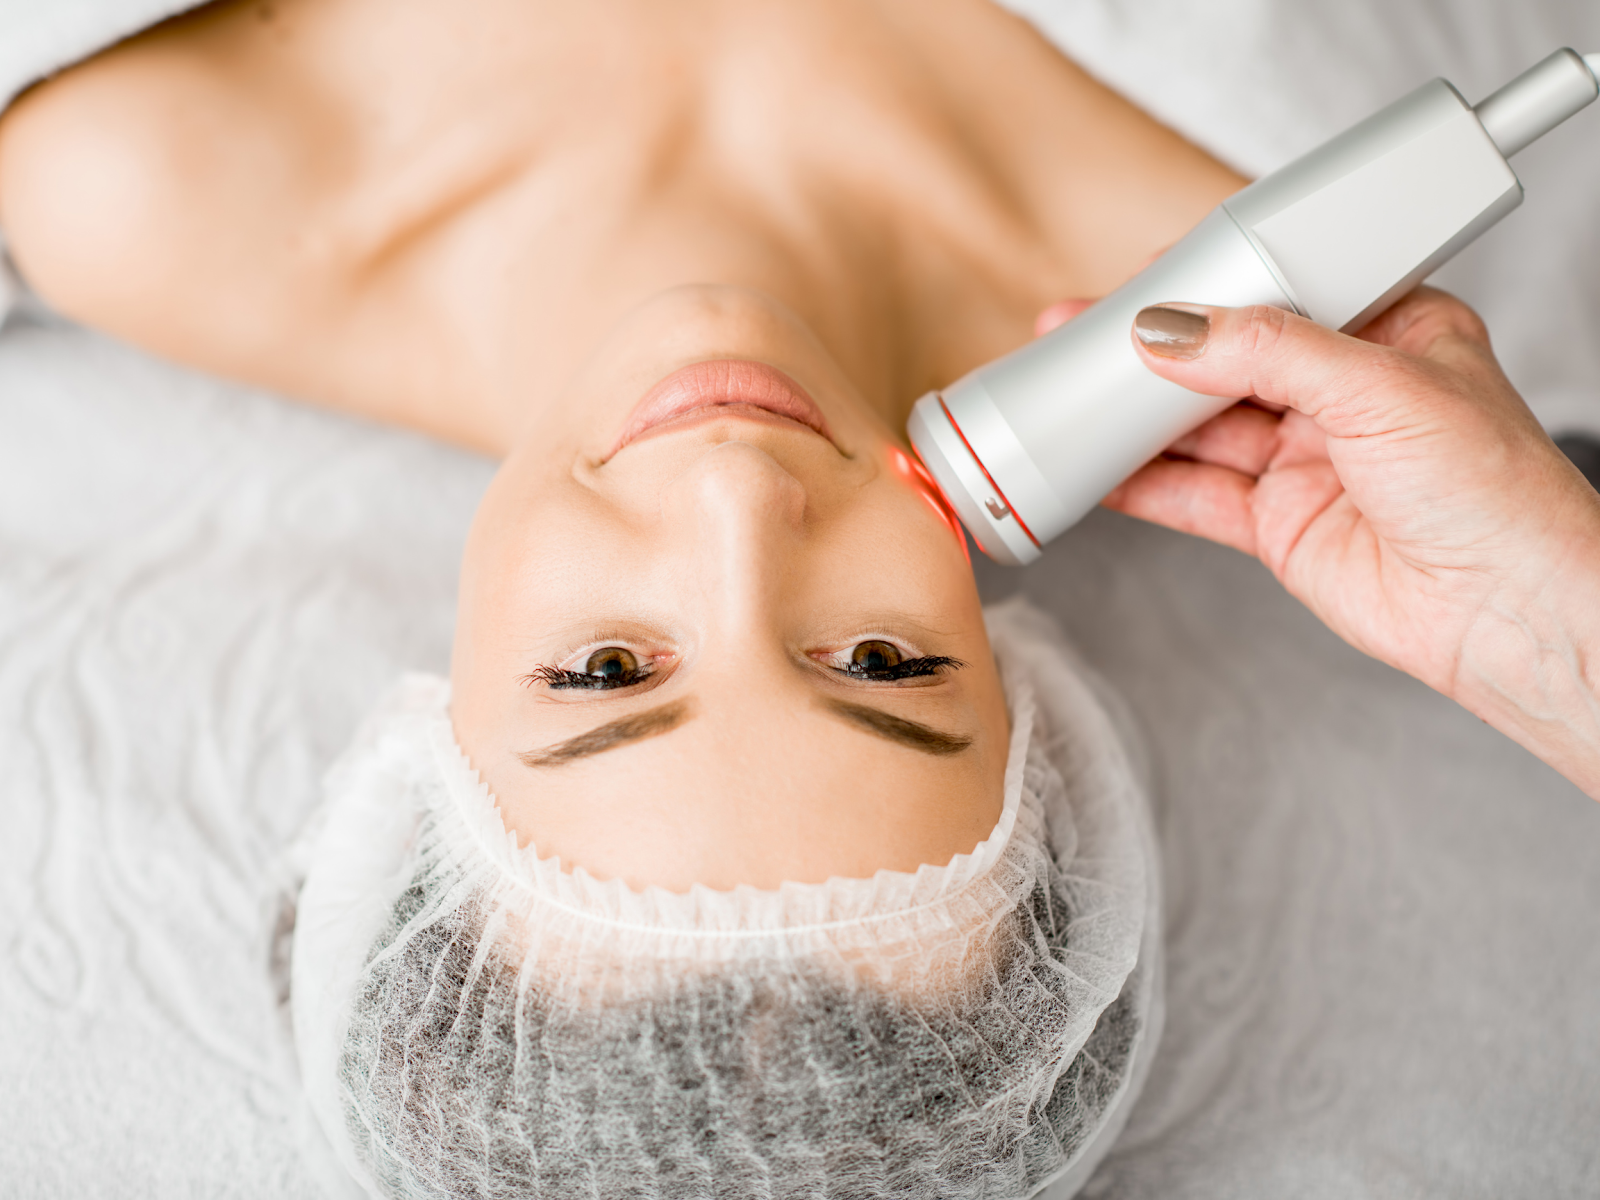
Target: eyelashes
[(561, 677), (908, 668)]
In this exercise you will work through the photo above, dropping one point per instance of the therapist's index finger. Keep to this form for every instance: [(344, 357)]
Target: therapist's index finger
[(1276, 356)]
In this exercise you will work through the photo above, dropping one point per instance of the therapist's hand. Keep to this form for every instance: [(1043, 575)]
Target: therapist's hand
[(1398, 486)]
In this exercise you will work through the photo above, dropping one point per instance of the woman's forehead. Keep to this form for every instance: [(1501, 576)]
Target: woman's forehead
[(731, 790)]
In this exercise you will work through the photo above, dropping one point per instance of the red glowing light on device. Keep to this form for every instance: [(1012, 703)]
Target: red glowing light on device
[(916, 475)]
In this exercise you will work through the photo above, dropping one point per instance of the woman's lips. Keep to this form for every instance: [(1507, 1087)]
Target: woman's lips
[(751, 390)]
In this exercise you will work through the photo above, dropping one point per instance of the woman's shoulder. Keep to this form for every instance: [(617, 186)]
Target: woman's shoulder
[(124, 177), (275, 190)]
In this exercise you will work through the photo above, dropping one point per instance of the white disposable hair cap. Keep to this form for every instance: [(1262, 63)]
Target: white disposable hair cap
[(473, 1020)]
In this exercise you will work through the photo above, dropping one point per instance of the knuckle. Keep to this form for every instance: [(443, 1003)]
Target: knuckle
[(1262, 331), (1437, 315), (1473, 327), (1260, 345)]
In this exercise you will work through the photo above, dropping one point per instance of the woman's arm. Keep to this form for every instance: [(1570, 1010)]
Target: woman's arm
[(1399, 486)]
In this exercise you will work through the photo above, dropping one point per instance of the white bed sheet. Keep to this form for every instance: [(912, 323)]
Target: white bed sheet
[(200, 592), (1384, 918)]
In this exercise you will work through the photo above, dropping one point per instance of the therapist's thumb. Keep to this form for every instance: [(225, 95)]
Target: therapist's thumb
[(1275, 356)]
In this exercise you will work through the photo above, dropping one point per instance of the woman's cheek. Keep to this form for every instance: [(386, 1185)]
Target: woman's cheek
[(910, 473)]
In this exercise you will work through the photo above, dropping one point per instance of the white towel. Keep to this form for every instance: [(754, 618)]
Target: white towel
[(40, 37)]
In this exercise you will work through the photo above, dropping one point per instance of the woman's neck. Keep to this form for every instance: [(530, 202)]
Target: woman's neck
[(967, 176), (465, 194), (916, 180)]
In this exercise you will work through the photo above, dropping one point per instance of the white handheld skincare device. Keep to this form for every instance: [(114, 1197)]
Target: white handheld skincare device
[(1026, 445)]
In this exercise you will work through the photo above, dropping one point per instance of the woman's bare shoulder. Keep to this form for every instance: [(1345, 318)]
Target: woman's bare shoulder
[(249, 189), (129, 180)]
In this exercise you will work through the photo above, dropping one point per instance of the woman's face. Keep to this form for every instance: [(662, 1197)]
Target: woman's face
[(715, 626)]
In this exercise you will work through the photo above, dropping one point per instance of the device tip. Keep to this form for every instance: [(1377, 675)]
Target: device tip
[(1539, 99), (1592, 61)]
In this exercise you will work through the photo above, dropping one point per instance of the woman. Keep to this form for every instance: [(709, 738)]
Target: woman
[(720, 666), (844, 205)]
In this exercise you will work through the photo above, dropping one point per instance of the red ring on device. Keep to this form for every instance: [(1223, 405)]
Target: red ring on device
[(1010, 508)]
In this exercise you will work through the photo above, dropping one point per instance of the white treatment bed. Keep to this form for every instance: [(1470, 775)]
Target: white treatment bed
[(1384, 918)]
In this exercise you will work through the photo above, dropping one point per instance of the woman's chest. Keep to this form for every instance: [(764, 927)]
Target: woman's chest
[(409, 209)]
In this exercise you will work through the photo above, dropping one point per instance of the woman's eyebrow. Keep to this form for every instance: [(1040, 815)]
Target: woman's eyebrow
[(898, 729), (610, 735)]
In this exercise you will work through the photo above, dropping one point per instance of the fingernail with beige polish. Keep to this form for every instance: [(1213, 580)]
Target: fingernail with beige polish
[(1172, 332)]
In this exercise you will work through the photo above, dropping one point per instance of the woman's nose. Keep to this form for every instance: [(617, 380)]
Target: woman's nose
[(739, 517)]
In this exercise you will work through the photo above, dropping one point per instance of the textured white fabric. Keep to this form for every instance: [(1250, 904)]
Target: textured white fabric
[(474, 1020)]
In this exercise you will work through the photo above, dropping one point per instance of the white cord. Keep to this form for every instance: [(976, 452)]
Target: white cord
[(1593, 61)]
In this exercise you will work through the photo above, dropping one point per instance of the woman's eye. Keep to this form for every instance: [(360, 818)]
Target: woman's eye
[(872, 657), (884, 662), (608, 667), (611, 664)]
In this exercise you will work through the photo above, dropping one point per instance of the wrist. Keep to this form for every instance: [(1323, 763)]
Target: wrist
[(1530, 662)]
